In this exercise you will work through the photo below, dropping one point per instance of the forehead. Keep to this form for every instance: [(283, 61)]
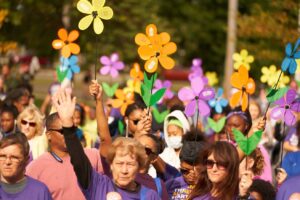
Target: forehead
[(211, 157), (7, 115), (14, 149), (136, 113), (124, 157), (235, 118)]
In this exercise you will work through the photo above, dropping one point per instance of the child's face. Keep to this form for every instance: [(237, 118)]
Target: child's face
[(235, 122)]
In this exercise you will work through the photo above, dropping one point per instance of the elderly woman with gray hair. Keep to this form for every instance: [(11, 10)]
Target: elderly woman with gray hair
[(126, 158)]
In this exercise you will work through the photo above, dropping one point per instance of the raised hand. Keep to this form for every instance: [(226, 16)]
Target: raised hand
[(281, 175), (95, 90), (245, 182), (65, 106)]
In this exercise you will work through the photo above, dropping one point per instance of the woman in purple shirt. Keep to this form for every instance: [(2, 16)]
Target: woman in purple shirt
[(220, 179)]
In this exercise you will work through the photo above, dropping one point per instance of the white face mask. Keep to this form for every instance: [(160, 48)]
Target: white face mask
[(174, 142)]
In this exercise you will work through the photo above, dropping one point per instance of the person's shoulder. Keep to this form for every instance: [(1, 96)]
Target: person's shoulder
[(91, 151), (174, 181), (150, 194), (42, 160), (36, 184)]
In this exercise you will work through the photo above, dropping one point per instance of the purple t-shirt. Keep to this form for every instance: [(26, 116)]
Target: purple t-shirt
[(34, 190), (203, 197), (178, 189), (101, 184), (290, 186)]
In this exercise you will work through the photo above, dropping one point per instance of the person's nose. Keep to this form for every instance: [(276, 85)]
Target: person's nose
[(124, 169)]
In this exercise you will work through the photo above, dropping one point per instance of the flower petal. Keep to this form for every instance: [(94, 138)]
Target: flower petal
[(106, 13), (169, 49), (74, 48), (75, 69), (62, 34), (151, 65), (65, 52), (244, 101), (277, 113), (166, 62), (197, 85), (290, 96), (190, 109), (105, 70), (289, 118), (250, 87), (73, 35), (296, 106), (98, 25), (165, 37), (234, 100), (97, 4), (203, 108), (85, 6), (114, 57), (207, 94), (57, 44), (73, 60), (151, 30), (186, 94), (85, 22), (146, 52), (118, 65), (141, 39), (117, 103), (114, 73), (120, 94), (104, 60)]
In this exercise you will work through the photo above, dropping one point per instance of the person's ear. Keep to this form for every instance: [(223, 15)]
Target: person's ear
[(250, 162), (48, 135), (126, 120)]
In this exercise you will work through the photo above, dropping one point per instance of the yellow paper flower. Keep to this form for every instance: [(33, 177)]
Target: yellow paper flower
[(298, 65), (154, 47), (3, 14), (133, 86), (270, 76), (96, 11), (242, 58), (212, 78)]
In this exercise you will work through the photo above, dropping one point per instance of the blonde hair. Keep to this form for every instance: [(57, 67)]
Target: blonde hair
[(128, 146), (33, 113)]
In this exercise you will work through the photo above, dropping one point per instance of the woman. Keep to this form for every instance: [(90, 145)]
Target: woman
[(175, 126), (126, 158), (31, 122), (220, 179)]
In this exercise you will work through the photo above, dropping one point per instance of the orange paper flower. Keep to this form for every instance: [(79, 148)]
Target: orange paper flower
[(155, 47), (135, 73), (65, 42), (123, 100), (245, 86)]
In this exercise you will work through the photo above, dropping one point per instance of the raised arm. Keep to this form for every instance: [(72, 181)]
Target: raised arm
[(95, 90), (65, 106)]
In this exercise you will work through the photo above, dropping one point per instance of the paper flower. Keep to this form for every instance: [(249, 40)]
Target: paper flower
[(133, 86), (196, 70), (123, 100), (154, 47), (247, 144), (66, 42), (218, 102), (70, 64), (216, 126), (136, 73), (270, 76), (195, 93), (111, 65), (285, 108), (289, 62), (242, 58), (245, 86), (96, 11), (212, 78), (164, 84), (3, 14)]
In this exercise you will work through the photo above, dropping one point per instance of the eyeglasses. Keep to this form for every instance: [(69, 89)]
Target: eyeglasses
[(210, 164), (24, 122), (13, 159), (149, 151), (57, 130)]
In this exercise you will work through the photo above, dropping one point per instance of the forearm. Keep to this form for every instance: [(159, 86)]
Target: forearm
[(102, 128), (79, 160)]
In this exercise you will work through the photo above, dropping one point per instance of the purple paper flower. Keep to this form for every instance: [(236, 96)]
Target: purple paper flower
[(195, 93), (164, 84), (197, 71), (111, 65), (285, 108)]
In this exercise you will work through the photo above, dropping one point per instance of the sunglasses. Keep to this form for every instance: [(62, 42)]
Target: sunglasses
[(149, 151), (210, 164), (24, 122)]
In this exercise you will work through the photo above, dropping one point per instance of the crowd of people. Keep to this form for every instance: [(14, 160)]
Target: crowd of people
[(74, 152)]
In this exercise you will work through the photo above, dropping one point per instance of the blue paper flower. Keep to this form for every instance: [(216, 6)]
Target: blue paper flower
[(218, 103), (70, 64), (289, 62)]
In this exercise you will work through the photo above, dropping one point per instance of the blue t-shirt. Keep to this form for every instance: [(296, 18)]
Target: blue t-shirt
[(291, 163), (100, 185), (34, 190), (178, 189)]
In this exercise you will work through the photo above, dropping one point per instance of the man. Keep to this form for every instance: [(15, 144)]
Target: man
[(8, 116), (14, 155), (54, 167)]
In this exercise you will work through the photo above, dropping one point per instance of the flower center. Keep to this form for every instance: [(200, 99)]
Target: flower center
[(243, 89), (95, 14), (196, 97), (157, 54), (287, 107)]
